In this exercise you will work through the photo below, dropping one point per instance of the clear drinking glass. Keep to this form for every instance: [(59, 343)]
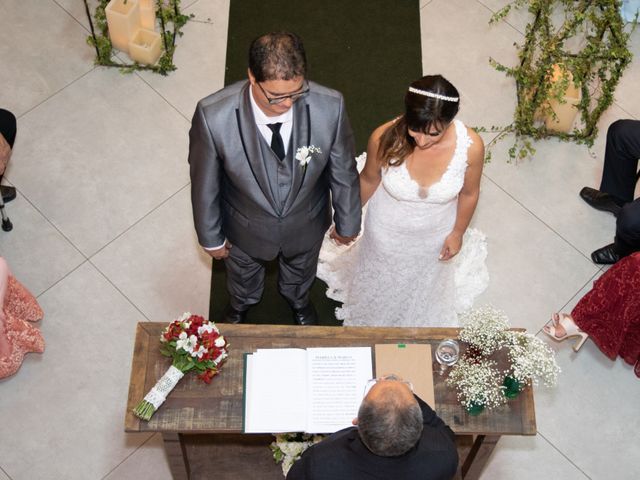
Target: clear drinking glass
[(447, 353)]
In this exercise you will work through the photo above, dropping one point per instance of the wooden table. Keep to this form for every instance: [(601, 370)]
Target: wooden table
[(202, 424)]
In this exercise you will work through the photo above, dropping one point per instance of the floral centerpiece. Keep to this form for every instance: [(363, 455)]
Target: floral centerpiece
[(479, 384), (478, 380), (289, 447), (194, 344)]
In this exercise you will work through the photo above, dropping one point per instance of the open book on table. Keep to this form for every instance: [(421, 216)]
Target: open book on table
[(317, 390)]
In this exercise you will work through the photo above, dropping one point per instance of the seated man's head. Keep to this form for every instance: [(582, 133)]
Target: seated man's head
[(389, 419)]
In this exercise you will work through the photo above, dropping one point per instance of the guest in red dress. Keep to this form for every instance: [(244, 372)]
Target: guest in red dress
[(609, 314), (17, 336)]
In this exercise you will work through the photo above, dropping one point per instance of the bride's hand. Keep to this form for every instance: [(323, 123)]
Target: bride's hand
[(451, 247)]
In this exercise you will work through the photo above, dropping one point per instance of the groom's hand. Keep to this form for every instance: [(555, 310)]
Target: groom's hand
[(219, 253), (340, 239)]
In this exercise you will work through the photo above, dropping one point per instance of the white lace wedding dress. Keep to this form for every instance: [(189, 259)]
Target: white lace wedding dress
[(391, 275)]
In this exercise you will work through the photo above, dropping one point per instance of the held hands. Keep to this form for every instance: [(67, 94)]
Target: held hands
[(220, 253), (451, 247), (339, 239)]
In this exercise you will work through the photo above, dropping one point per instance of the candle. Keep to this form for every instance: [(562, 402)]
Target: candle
[(145, 47), (148, 14), (123, 20), (565, 112)]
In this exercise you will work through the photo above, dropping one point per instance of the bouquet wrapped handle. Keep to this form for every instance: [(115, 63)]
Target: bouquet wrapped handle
[(158, 394)]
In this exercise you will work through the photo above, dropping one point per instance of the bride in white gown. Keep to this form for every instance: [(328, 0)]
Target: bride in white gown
[(422, 182)]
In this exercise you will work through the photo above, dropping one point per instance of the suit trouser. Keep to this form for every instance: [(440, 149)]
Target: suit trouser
[(619, 179), (245, 277), (621, 156), (627, 238)]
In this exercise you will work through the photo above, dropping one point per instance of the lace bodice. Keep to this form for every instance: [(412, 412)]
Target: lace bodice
[(399, 184)]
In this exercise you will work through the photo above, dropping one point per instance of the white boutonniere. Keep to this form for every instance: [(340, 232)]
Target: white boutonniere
[(303, 154)]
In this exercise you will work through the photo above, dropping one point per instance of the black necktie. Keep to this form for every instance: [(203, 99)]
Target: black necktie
[(277, 145)]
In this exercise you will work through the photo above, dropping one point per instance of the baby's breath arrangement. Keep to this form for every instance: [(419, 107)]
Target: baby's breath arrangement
[(484, 329), (289, 447), (531, 360), (479, 382), (478, 379)]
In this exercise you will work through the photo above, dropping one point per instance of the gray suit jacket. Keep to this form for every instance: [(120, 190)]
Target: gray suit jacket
[(230, 190)]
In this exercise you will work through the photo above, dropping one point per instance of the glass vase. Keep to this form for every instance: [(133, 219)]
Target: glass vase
[(512, 387), (475, 409)]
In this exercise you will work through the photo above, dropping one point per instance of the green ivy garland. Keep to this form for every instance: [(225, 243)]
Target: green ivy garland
[(596, 68), (168, 11)]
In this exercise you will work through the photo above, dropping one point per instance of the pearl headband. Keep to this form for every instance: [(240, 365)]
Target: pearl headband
[(433, 95)]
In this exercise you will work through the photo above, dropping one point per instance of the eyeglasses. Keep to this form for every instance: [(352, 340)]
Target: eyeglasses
[(393, 378), (293, 96)]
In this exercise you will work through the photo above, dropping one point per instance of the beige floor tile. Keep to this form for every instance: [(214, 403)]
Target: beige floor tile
[(66, 406), (76, 9), (529, 458), (548, 185), (532, 271), (37, 253), (159, 265), (148, 461), (591, 416), (451, 29), (111, 150), (199, 57), (38, 64), (518, 18)]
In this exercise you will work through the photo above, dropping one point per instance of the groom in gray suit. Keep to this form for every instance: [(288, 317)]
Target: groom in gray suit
[(268, 158)]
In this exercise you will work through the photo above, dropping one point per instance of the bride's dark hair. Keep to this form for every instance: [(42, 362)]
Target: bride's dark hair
[(421, 113)]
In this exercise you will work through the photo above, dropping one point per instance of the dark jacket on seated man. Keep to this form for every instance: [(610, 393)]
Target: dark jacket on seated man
[(344, 455)]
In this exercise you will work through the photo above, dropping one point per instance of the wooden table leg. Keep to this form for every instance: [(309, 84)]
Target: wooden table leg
[(177, 455), (480, 452)]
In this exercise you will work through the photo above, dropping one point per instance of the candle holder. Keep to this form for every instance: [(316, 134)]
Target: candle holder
[(145, 47), (123, 19)]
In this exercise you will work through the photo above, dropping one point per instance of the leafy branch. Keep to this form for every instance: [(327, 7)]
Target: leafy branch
[(595, 69)]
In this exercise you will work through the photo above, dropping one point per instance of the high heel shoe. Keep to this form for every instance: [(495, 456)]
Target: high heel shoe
[(570, 329)]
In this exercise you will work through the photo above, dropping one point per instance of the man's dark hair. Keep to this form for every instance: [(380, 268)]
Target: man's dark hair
[(277, 56), (389, 426)]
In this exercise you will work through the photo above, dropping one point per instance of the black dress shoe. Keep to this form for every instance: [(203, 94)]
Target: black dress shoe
[(305, 315), (8, 193), (231, 315), (605, 255), (600, 200)]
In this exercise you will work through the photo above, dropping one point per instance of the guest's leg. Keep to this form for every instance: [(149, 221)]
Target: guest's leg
[(627, 238), (621, 160), (245, 279), (8, 131), (8, 126), (296, 276)]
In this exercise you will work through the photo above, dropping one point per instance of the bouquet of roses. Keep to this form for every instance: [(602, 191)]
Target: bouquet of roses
[(194, 344)]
